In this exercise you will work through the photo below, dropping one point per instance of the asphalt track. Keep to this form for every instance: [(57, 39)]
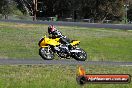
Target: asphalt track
[(60, 62), (65, 61), (78, 24)]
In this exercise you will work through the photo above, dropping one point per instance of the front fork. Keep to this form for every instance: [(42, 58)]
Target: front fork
[(48, 49)]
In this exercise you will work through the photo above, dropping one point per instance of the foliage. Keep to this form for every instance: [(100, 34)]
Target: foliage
[(7, 7), (97, 10), (130, 11)]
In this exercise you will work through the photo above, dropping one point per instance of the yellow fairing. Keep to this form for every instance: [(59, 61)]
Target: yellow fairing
[(48, 41), (43, 44), (53, 42), (75, 43)]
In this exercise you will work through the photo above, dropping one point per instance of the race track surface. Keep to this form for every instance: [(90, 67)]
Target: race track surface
[(60, 62), (65, 61), (78, 24)]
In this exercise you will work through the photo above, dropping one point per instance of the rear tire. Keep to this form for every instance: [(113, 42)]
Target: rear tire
[(43, 52), (80, 56)]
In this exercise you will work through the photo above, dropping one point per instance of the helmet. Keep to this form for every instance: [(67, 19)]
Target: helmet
[(51, 29)]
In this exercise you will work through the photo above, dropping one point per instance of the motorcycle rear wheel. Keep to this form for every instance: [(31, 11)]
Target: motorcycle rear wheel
[(43, 52)]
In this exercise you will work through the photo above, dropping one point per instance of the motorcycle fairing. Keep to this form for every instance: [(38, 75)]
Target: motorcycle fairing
[(47, 41), (75, 42)]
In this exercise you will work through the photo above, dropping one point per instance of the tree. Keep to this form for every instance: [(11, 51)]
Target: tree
[(7, 7), (130, 10), (101, 10), (25, 6), (5, 10), (63, 8)]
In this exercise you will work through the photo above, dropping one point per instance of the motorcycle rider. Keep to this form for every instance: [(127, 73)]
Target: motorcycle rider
[(57, 34)]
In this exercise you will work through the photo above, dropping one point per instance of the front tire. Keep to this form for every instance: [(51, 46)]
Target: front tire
[(45, 54), (80, 56)]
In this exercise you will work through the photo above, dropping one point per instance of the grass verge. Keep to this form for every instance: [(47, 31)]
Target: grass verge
[(58, 76), (20, 41)]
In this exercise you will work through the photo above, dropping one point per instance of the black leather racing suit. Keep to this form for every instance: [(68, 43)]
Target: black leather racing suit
[(63, 39)]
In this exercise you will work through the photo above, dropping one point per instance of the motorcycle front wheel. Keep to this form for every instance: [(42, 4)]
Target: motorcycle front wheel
[(46, 54), (80, 56)]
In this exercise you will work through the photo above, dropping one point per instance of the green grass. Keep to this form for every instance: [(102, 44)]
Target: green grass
[(58, 76), (20, 41)]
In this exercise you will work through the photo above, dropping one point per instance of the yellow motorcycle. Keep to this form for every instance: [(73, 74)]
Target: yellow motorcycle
[(49, 47)]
